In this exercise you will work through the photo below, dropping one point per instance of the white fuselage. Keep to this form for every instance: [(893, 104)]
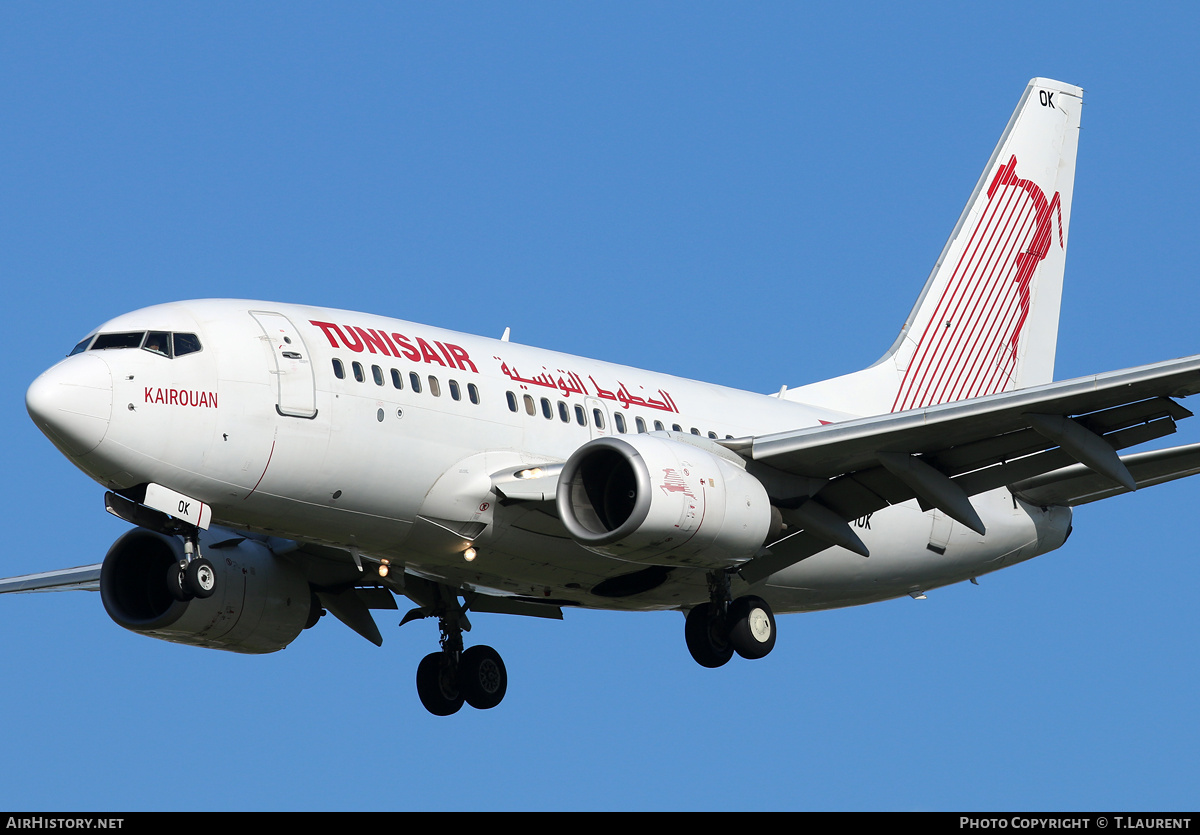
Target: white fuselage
[(259, 425)]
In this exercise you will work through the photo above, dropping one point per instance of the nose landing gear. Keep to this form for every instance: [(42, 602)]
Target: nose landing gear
[(193, 576)]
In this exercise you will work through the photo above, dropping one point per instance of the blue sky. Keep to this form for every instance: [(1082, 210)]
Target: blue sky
[(769, 181)]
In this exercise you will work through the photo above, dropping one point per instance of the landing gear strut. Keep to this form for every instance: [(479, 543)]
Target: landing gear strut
[(452, 676), (717, 629), (193, 576)]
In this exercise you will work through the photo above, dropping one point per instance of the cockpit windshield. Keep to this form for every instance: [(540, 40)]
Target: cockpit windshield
[(163, 343), (109, 341)]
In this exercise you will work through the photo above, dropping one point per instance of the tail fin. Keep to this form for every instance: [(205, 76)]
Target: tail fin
[(987, 318)]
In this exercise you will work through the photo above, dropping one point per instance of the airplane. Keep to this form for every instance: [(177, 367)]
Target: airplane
[(280, 461)]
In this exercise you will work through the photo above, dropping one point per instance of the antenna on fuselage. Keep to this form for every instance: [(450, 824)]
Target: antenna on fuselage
[(505, 337)]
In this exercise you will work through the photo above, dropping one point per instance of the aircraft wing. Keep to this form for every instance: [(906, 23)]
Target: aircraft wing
[(83, 578), (1076, 485), (823, 477)]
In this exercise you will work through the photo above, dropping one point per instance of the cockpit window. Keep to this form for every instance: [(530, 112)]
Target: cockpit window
[(107, 341), (158, 342), (186, 343), (163, 343), (81, 347)]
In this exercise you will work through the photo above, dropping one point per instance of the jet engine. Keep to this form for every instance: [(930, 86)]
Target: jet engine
[(663, 500), (259, 605)]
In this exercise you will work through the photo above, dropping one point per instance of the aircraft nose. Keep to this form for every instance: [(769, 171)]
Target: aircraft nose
[(72, 403)]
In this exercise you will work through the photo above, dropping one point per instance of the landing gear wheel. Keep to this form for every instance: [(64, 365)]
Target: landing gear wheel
[(437, 684), (706, 636), (482, 677), (751, 627), (201, 578), (177, 583)]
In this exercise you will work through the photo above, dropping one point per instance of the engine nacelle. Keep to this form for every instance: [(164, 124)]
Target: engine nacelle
[(260, 603), (658, 500)]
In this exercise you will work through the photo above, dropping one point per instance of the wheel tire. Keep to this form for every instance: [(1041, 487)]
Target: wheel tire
[(177, 584), (315, 612), (482, 677), (437, 685), (706, 636), (201, 578), (751, 627)]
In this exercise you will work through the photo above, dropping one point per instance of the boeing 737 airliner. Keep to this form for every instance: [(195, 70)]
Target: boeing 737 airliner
[(279, 461)]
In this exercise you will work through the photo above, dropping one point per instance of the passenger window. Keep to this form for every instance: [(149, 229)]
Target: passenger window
[(185, 343), (339, 370), (598, 416), (414, 381), (658, 426), (435, 388), (695, 431), (454, 392), (377, 373), (564, 414), (530, 409), (397, 379), (473, 393), (547, 409), (619, 422), (641, 424), (358, 372), (580, 416), (676, 427), (512, 401), (712, 435)]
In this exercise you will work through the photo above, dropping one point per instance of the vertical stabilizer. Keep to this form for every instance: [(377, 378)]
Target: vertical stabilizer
[(987, 318)]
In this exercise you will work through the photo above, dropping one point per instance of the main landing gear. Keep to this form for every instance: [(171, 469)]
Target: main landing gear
[(452, 676), (193, 576), (714, 631)]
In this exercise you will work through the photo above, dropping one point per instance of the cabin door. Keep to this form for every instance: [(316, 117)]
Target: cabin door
[(295, 386)]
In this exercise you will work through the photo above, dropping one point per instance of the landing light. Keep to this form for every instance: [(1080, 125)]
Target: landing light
[(469, 554), (383, 568)]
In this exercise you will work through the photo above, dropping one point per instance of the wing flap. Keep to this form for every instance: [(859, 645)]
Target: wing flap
[(1074, 485), (831, 450), (1066, 433)]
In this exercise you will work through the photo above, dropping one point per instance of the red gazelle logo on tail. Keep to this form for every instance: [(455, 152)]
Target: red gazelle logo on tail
[(968, 348)]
